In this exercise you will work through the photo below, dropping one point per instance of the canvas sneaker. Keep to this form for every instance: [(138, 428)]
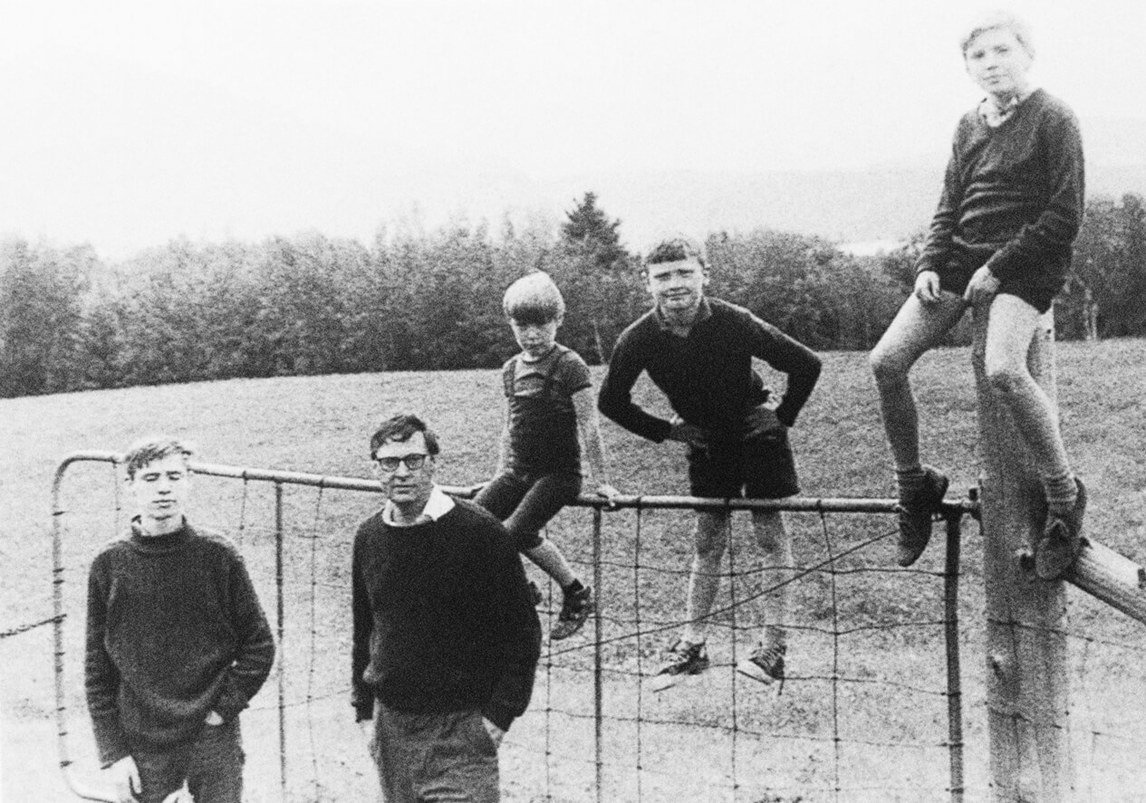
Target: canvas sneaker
[(684, 659), (915, 514), (575, 609), (1061, 540), (765, 664)]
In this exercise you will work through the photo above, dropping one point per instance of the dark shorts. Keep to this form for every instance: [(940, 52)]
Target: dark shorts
[(212, 763), (526, 503), (761, 467)]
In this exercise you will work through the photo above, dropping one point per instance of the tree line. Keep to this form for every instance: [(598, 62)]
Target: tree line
[(430, 300)]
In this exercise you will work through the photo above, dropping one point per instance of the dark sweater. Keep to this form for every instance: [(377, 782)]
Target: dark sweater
[(708, 375), (174, 632), (1012, 199), (443, 620)]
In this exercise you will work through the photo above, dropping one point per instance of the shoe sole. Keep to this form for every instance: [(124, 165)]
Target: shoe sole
[(660, 683), (752, 670)]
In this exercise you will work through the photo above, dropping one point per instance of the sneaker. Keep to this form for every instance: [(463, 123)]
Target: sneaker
[(765, 665), (575, 609), (1061, 540), (684, 659), (535, 593), (915, 516)]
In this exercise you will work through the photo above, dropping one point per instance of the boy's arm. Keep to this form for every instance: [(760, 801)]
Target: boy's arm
[(361, 695), (937, 246), (615, 400), (519, 639), (789, 355), (595, 453), (101, 678), (256, 648)]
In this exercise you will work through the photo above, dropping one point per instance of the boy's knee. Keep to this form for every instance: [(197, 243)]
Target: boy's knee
[(884, 366), (1004, 378)]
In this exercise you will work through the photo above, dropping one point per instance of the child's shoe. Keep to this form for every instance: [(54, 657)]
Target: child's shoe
[(1061, 540), (915, 513), (575, 609)]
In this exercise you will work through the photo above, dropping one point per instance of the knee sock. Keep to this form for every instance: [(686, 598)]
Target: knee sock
[(909, 481), (774, 634), (1061, 491)]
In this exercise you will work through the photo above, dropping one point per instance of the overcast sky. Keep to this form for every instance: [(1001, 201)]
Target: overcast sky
[(128, 123)]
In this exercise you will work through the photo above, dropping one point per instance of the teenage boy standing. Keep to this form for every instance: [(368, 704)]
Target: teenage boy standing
[(177, 643), (699, 352), (446, 639)]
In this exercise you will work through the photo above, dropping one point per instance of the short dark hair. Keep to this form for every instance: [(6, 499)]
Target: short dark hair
[(674, 249), (151, 449), (401, 428)]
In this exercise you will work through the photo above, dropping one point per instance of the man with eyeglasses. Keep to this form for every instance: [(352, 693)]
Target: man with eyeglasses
[(446, 638)]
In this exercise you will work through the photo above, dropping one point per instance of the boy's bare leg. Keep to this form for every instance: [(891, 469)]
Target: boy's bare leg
[(776, 551), (916, 328), (550, 560), (1010, 328), (704, 578)]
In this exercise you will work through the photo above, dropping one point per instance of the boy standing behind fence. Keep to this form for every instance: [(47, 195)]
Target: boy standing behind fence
[(699, 352), (550, 399), (177, 644)]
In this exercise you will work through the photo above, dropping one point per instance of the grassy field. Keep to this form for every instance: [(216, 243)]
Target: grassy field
[(321, 425)]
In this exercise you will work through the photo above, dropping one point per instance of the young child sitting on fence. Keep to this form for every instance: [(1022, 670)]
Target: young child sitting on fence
[(699, 352), (1001, 239), (177, 644), (550, 399)]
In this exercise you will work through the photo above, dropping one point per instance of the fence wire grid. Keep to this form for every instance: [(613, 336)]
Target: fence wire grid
[(872, 707)]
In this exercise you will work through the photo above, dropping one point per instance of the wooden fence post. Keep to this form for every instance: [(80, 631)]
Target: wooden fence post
[(1026, 638)]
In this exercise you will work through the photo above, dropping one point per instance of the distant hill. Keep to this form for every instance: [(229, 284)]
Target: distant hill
[(864, 206)]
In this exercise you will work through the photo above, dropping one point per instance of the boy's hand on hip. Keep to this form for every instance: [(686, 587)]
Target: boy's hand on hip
[(496, 734), (214, 719), (687, 433), (125, 776)]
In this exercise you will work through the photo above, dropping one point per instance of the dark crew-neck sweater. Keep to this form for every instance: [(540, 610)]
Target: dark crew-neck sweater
[(1013, 198), (174, 632), (443, 620), (707, 375)]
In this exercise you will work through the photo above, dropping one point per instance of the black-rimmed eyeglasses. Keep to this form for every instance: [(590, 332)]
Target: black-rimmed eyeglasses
[(413, 462)]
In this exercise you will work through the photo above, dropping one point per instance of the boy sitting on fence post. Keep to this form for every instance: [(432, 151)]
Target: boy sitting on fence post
[(699, 352), (549, 397), (177, 644)]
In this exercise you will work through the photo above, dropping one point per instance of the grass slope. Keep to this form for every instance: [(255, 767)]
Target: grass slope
[(321, 425)]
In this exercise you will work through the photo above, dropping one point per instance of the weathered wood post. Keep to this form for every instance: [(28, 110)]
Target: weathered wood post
[(1026, 640)]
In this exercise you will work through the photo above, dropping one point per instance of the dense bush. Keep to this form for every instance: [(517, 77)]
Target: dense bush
[(416, 300)]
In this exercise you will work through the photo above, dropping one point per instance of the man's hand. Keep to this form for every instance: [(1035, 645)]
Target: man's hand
[(927, 287), (125, 776), (687, 433), (180, 795), (214, 719), (610, 494), (495, 733), (982, 287)]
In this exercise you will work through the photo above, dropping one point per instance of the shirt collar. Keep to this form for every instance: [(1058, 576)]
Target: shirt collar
[(994, 114), (703, 313), (438, 505)]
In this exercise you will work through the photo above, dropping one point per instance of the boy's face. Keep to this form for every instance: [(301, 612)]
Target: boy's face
[(535, 339), (406, 486), (161, 489), (677, 287), (997, 61)]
